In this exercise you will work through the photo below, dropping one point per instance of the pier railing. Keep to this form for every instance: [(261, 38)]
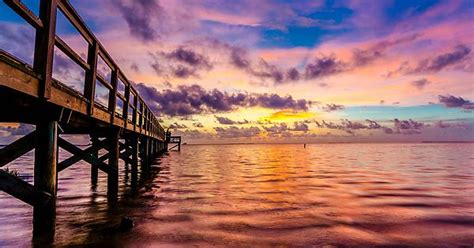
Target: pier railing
[(124, 101)]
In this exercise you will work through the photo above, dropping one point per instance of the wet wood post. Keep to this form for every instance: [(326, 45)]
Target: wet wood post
[(94, 168), (114, 153), (45, 179)]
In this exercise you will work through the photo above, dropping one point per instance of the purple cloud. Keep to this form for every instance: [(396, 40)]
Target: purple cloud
[(181, 62), (420, 84), (324, 66), (193, 99), (236, 132), (450, 101), (436, 63), (139, 15), (332, 107)]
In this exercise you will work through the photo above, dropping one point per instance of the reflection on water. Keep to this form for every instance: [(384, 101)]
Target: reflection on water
[(265, 195)]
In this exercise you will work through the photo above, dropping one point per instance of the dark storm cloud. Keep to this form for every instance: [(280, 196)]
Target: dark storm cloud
[(420, 84), (435, 63), (450, 101), (139, 14), (236, 132), (332, 107), (193, 99)]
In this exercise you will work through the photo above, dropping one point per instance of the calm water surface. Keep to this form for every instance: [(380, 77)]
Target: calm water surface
[(267, 195)]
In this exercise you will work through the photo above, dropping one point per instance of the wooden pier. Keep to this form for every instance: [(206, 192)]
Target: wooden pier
[(29, 94)]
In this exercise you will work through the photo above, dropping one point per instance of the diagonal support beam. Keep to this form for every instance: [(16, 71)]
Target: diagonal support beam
[(84, 155), (76, 158), (23, 190), (17, 148)]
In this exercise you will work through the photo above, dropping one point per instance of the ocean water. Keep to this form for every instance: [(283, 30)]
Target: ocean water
[(324, 195)]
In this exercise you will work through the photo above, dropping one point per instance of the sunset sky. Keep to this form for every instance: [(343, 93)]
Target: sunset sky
[(282, 71)]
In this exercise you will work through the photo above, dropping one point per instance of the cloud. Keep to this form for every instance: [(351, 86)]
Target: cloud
[(332, 107), (276, 129), (420, 84), (198, 124), (407, 126), (177, 126), (324, 66), (441, 124), (181, 62), (18, 40), (236, 132), (362, 57), (435, 63), (450, 101), (193, 99), (349, 126), (227, 121), (300, 127), (21, 129), (139, 15)]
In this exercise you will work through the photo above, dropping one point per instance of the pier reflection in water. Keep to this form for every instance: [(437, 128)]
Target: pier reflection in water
[(264, 195)]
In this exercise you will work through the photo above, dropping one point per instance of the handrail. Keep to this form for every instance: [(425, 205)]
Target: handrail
[(143, 120)]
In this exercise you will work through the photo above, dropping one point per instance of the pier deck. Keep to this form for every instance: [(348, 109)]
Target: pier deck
[(124, 126)]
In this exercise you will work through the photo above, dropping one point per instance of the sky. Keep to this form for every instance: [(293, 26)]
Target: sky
[(280, 71)]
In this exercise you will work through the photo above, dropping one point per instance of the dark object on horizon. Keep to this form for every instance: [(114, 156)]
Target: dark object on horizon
[(126, 224), (304, 146)]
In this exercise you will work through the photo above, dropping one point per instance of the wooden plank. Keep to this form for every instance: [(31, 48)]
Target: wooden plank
[(17, 148), (104, 82), (85, 156), (76, 20), (25, 13), (44, 46), (22, 190), (61, 44)]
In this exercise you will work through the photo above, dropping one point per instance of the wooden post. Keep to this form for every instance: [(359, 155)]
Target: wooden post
[(114, 153), (45, 179), (44, 46), (91, 74), (94, 168), (135, 151)]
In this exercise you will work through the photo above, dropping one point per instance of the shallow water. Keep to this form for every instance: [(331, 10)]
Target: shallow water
[(267, 195)]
